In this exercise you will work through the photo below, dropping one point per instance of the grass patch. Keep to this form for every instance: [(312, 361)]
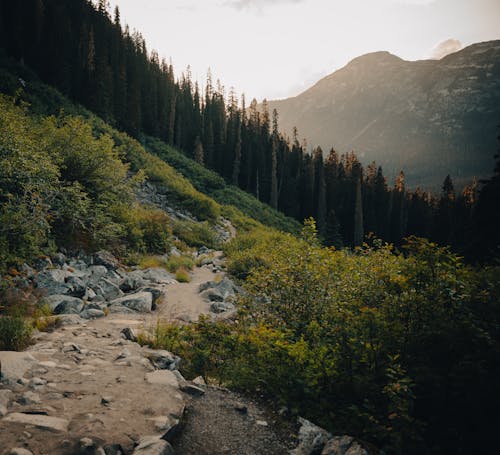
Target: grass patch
[(195, 234), (175, 263), (15, 333), (182, 275)]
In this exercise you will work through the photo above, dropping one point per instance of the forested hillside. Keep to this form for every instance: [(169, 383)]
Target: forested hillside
[(94, 59)]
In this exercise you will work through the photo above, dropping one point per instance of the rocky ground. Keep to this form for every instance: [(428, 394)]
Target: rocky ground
[(89, 388)]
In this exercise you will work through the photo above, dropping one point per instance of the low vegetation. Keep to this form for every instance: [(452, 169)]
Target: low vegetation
[(399, 348)]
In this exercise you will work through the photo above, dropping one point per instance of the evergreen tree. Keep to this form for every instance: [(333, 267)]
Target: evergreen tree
[(333, 236), (358, 216), (198, 150)]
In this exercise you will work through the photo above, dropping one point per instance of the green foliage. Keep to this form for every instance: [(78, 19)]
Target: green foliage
[(399, 349), (175, 263), (195, 234), (182, 275), (146, 230), (15, 333), (235, 201)]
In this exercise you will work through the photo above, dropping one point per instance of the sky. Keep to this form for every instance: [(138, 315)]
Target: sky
[(278, 48)]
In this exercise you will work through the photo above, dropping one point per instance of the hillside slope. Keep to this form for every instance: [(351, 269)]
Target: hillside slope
[(429, 117)]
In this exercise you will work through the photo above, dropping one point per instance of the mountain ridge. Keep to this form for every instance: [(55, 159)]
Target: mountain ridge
[(447, 106)]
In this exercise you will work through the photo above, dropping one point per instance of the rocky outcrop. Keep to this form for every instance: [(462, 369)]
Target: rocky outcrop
[(314, 440), (91, 286), (221, 295)]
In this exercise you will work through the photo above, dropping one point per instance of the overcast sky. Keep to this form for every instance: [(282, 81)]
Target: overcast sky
[(277, 48)]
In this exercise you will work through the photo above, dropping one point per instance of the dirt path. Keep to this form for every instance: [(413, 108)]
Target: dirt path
[(183, 299), (85, 385)]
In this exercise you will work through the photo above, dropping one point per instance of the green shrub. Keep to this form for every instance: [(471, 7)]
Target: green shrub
[(15, 333), (182, 275), (195, 234), (174, 263)]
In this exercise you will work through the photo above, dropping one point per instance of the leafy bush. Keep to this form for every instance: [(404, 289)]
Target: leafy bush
[(15, 333), (182, 275), (398, 349), (195, 234), (174, 263)]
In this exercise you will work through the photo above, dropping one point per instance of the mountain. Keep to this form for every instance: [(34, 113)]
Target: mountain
[(429, 117)]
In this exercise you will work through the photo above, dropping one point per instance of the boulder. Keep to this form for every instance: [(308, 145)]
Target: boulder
[(343, 445), (40, 421), (221, 307), (92, 313), (106, 259), (64, 304), (94, 273), (76, 286), (129, 334), (158, 292), (59, 259), (107, 289), (140, 302), (42, 263), (212, 295), (163, 360), (312, 439), (13, 365), (132, 281), (226, 287), (157, 275), (53, 281), (153, 445)]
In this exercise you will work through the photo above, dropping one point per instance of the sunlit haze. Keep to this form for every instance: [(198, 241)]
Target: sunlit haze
[(277, 48)]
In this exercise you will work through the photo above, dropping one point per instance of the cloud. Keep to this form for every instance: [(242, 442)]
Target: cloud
[(444, 48), (258, 4)]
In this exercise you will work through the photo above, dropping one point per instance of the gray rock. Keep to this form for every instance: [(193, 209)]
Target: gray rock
[(207, 285), (13, 365), (59, 259), (70, 319), (92, 313), (226, 287), (132, 281), (221, 307), (212, 295), (107, 289), (192, 389), (343, 445), (312, 439), (64, 304), (129, 334), (29, 398), (42, 263), (153, 445), (39, 421), (157, 275), (141, 302), (28, 271), (52, 281), (94, 273), (120, 309), (163, 360), (76, 285), (157, 292), (6, 396), (19, 451), (106, 259)]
